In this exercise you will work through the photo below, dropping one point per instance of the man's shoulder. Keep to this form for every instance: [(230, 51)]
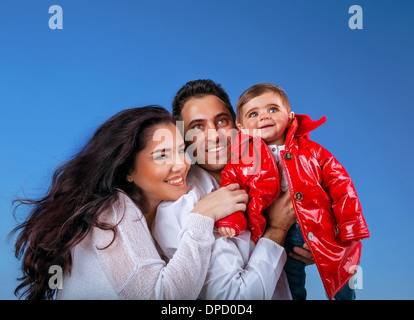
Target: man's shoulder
[(199, 178)]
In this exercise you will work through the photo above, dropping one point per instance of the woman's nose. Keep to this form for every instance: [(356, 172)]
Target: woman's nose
[(180, 162)]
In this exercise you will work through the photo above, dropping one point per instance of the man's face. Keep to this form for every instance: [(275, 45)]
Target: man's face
[(209, 131)]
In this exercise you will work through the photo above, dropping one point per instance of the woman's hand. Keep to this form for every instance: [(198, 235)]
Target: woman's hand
[(222, 202)]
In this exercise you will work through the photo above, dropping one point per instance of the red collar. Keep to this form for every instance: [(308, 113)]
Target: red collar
[(301, 126)]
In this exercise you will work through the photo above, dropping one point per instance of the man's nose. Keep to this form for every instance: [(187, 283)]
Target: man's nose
[(213, 135)]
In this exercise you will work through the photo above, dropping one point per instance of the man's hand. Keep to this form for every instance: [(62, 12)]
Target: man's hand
[(302, 254), (280, 217)]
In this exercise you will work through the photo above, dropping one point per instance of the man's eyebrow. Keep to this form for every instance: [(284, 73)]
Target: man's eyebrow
[(222, 114), (203, 120), (195, 121)]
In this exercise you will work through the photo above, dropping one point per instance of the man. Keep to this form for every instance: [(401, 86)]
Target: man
[(239, 269)]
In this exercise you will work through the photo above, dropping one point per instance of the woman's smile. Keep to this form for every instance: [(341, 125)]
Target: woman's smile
[(176, 181)]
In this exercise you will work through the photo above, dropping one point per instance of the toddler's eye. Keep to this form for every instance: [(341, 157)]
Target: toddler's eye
[(273, 110), (253, 114)]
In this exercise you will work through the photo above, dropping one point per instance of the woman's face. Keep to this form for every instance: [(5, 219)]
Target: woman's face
[(161, 167)]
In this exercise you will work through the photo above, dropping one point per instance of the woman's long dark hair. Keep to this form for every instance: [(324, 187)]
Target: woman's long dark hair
[(81, 189)]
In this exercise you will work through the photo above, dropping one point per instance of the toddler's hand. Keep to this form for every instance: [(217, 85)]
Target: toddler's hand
[(226, 231)]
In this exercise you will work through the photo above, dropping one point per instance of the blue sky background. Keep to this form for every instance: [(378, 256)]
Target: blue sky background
[(57, 86)]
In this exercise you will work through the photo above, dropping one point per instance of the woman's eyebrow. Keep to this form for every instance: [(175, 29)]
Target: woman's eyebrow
[(167, 149), (161, 150)]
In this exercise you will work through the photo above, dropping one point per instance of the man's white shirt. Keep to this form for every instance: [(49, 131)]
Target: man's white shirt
[(238, 269)]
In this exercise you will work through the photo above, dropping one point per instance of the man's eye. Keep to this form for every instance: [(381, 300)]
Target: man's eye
[(197, 127), (222, 121)]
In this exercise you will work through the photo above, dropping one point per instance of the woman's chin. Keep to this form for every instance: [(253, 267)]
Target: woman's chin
[(177, 193)]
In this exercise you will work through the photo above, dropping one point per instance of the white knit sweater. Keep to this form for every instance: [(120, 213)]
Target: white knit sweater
[(131, 268)]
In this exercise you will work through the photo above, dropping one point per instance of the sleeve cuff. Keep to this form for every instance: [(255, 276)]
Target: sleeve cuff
[(201, 227), (270, 252)]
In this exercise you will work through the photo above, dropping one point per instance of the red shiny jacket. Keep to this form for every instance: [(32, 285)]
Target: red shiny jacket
[(253, 167), (326, 205)]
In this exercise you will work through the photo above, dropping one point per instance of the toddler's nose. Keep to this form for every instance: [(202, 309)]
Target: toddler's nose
[(264, 116)]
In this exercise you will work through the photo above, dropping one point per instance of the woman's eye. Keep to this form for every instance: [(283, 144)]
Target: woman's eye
[(161, 156)]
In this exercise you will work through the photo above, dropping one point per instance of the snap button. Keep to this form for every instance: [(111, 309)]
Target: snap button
[(273, 149), (310, 236), (288, 156), (298, 196)]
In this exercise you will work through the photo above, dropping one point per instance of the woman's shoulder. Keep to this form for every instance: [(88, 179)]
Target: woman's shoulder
[(123, 207)]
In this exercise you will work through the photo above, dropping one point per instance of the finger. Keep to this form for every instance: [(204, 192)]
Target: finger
[(231, 187), (228, 232), (238, 192), (231, 232), (301, 258), (240, 207), (303, 253), (241, 197)]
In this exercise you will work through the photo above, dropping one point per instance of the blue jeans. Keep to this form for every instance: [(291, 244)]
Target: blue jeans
[(295, 269)]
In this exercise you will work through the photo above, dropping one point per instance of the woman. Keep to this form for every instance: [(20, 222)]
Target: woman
[(95, 220)]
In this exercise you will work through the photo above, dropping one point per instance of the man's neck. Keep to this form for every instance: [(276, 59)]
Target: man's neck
[(216, 175)]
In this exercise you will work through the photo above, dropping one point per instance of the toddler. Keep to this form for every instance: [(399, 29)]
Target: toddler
[(328, 211)]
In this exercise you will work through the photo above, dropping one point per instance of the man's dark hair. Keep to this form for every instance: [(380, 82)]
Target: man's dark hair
[(198, 89)]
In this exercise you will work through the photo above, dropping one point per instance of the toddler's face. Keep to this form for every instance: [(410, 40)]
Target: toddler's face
[(267, 116)]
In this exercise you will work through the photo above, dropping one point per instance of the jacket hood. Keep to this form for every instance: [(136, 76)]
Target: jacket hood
[(301, 126)]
